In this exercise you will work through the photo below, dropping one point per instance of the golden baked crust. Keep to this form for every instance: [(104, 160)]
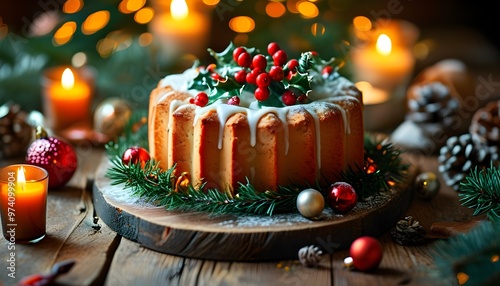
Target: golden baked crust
[(314, 144)]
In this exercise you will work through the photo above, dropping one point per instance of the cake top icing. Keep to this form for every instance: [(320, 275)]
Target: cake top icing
[(246, 77)]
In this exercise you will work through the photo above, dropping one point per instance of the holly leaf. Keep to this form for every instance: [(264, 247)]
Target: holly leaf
[(226, 56), (300, 81)]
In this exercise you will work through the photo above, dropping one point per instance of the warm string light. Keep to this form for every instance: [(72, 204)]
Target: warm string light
[(99, 20), (95, 22)]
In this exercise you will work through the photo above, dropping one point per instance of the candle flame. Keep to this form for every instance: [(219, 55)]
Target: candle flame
[(67, 79), (384, 44), (21, 178), (179, 9)]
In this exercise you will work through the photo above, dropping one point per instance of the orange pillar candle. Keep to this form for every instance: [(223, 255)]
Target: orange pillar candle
[(23, 203), (181, 31), (383, 64), (67, 98)]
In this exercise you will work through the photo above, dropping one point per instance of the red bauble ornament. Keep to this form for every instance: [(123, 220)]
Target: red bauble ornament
[(366, 253), (134, 155), (341, 197), (55, 156)]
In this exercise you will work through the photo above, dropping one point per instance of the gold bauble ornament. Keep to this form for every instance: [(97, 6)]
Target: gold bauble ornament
[(111, 115), (310, 203), (427, 185)]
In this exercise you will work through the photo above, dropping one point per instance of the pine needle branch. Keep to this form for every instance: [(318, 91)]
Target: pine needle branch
[(472, 255), (481, 191), (383, 168)]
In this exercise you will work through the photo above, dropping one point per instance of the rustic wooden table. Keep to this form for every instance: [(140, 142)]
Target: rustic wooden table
[(105, 258)]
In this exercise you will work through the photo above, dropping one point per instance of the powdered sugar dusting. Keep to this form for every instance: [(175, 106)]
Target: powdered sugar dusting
[(125, 197), (120, 195), (294, 219)]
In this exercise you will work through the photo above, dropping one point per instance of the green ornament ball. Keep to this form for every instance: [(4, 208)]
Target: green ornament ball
[(310, 203), (427, 185)]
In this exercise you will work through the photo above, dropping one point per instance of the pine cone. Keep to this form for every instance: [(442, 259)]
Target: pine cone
[(310, 255), (15, 132), (408, 232), (485, 125), (460, 155), (432, 103)]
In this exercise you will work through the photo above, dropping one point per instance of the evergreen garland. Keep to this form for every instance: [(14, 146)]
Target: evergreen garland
[(162, 188), (383, 169)]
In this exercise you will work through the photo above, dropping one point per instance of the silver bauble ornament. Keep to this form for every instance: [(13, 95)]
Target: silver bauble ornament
[(310, 203), (111, 115), (427, 185)]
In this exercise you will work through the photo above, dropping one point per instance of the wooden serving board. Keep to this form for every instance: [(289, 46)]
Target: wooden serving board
[(241, 238)]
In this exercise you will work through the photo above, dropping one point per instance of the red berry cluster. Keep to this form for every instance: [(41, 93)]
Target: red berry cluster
[(255, 71), (201, 99)]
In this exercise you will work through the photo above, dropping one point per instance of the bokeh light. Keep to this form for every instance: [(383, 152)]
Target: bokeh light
[(318, 29), (275, 9), (144, 15), (421, 50), (211, 2), (291, 5), (241, 39), (362, 23), (95, 22), (130, 6), (242, 24), (145, 39), (72, 6), (64, 33), (79, 59), (308, 9)]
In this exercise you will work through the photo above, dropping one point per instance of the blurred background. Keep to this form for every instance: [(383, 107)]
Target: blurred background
[(129, 40)]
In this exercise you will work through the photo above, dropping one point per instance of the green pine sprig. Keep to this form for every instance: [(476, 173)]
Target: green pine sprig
[(387, 168), (471, 256), (481, 191), (163, 188)]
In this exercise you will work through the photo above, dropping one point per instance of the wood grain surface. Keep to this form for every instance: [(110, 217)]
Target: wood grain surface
[(244, 237), (104, 257)]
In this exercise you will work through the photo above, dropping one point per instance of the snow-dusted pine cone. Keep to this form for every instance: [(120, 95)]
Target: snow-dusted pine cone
[(460, 155), (432, 103), (15, 132), (310, 255), (485, 125)]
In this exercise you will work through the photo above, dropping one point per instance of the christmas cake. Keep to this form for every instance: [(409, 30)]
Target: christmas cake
[(257, 118)]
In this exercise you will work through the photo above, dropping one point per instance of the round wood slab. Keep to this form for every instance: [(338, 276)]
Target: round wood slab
[(240, 238)]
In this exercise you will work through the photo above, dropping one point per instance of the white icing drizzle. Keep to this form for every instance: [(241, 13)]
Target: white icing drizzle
[(173, 107), (322, 94), (318, 137)]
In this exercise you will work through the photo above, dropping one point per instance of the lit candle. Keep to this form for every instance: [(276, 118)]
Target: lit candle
[(67, 98), (180, 31), (383, 64), (23, 203)]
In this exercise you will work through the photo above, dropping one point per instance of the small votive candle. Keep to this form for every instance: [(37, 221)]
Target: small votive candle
[(67, 96), (23, 202)]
